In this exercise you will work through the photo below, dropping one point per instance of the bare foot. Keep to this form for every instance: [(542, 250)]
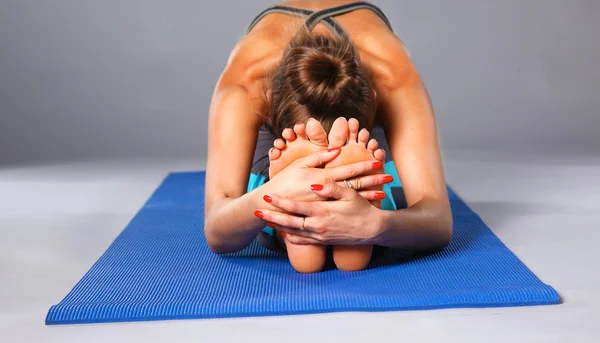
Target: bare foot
[(299, 142), (356, 147)]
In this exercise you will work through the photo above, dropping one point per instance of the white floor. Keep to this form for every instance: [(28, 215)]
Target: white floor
[(56, 220)]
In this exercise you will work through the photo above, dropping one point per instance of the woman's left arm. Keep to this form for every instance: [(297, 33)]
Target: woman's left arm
[(409, 123)]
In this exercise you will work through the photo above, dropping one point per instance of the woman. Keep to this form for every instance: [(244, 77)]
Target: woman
[(300, 68)]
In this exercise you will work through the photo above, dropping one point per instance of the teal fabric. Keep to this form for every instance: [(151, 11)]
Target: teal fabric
[(257, 180)]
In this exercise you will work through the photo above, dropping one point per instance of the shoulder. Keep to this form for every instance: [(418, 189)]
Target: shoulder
[(388, 59), (250, 61)]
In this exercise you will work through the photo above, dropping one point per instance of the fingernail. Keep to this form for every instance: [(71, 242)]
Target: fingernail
[(333, 149), (388, 178), (316, 187), (298, 123), (377, 165), (268, 199), (283, 234), (259, 214), (379, 195), (271, 225)]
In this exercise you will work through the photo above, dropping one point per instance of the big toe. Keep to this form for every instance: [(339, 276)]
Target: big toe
[(316, 132), (339, 133)]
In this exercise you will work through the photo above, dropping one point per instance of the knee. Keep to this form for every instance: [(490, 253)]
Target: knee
[(352, 258)]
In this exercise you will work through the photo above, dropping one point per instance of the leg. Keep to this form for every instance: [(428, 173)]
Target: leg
[(357, 148), (300, 142)]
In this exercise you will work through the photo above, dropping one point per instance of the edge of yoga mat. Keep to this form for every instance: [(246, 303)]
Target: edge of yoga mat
[(80, 313)]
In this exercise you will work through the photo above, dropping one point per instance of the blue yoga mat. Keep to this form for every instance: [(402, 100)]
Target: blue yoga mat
[(160, 267)]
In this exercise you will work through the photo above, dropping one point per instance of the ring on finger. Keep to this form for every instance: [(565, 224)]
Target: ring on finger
[(348, 184), (357, 184)]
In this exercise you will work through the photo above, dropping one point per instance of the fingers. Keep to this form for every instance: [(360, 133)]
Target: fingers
[(292, 206), (333, 190), (300, 240), (372, 195), (282, 219), (296, 236), (351, 170), (319, 158), (369, 181)]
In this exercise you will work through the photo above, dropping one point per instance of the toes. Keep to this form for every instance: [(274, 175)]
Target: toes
[(339, 133), (279, 144), (274, 154), (373, 145), (379, 155), (363, 137), (300, 130), (353, 126), (315, 132), (288, 135)]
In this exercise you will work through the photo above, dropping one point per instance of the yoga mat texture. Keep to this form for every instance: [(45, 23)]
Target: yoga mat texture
[(160, 267)]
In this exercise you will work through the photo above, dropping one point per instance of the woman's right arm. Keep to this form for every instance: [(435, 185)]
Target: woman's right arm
[(232, 132)]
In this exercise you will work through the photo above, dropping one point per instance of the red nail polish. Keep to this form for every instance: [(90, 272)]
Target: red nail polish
[(269, 224), (259, 214), (377, 165), (283, 234), (333, 149), (379, 195), (316, 187), (388, 178), (268, 199)]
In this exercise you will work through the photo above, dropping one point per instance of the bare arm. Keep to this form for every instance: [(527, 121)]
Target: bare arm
[(410, 128), (232, 133)]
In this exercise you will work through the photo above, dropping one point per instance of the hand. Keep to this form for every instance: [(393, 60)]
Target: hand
[(348, 220), (294, 181)]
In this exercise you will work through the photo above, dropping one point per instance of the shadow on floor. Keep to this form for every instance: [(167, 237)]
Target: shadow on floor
[(497, 213)]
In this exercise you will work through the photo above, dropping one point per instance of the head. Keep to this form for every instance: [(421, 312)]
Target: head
[(320, 77)]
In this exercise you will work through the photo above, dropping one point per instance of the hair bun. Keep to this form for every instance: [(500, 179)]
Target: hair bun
[(322, 77)]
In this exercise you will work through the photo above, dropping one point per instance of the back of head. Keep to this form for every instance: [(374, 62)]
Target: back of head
[(320, 77)]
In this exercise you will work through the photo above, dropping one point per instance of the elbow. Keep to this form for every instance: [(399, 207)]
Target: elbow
[(444, 232), (215, 244)]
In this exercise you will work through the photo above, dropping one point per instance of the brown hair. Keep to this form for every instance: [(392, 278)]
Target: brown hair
[(320, 77)]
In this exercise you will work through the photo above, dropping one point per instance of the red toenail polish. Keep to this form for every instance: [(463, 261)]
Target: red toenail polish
[(379, 195), (377, 165), (333, 149), (387, 179), (316, 187), (268, 198), (259, 214)]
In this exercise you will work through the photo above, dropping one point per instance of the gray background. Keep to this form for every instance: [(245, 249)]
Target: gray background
[(130, 81), (102, 79)]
